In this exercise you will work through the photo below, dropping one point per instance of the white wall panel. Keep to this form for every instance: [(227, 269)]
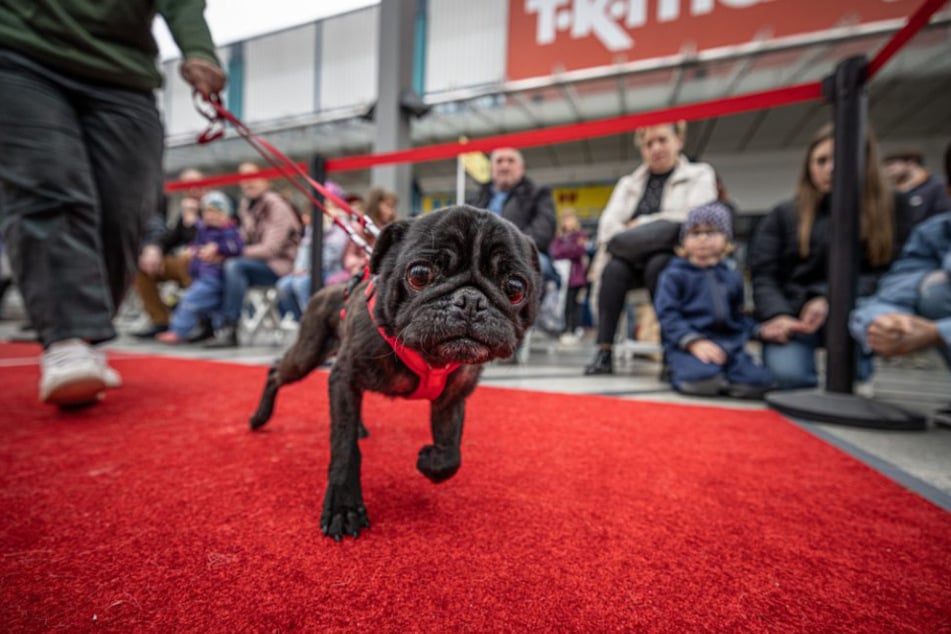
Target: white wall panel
[(466, 43), (348, 73), (279, 74), (175, 99)]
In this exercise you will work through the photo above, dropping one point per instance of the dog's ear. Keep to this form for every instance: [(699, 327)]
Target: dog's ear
[(391, 235)]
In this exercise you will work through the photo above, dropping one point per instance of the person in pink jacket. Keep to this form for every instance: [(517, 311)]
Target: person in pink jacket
[(272, 230)]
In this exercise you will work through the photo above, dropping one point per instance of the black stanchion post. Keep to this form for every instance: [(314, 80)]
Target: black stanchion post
[(318, 172), (845, 89)]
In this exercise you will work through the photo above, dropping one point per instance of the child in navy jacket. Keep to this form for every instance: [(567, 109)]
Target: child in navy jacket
[(699, 302), (217, 238)]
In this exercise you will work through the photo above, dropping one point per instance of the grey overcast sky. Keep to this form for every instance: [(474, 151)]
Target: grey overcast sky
[(233, 20)]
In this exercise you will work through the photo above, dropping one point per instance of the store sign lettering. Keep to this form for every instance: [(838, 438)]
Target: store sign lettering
[(611, 20)]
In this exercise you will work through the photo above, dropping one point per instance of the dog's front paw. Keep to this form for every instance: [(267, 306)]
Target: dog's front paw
[(438, 463), (344, 514)]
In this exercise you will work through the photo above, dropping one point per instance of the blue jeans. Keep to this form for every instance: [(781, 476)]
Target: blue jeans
[(293, 293), (240, 273), (934, 302), (201, 299), (739, 369), (793, 364)]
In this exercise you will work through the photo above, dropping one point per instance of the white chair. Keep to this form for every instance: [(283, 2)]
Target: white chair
[(260, 315)]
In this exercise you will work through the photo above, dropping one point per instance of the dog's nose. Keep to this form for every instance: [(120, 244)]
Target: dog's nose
[(470, 301)]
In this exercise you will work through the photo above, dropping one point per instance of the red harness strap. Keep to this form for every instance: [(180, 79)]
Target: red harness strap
[(432, 380)]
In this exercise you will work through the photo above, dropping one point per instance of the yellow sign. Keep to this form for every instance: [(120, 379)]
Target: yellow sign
[(477, 166), (587, 201)]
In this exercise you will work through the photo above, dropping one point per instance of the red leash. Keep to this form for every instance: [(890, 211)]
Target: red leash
[(210, 107)]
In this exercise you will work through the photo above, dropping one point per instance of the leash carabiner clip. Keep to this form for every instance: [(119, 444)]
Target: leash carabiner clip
[(206, 107)]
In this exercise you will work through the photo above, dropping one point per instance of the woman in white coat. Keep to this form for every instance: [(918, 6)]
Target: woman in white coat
[(664, 188)]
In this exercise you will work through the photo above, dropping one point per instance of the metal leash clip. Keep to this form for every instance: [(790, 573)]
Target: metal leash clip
[(206, 108)]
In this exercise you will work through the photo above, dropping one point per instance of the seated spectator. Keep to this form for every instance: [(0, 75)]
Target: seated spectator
[(571, 243), (639, 228), (921, 195), (699, 304), (381, 209), (789, 262), (911, 310), (271, 230), (163, 258), (517, 198), (217, 238), (294, 290)]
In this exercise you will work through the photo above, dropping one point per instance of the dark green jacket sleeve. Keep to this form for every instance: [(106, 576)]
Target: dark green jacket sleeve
[(186, 21)]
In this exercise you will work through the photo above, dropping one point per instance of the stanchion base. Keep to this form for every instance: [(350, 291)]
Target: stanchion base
[(844, 409)]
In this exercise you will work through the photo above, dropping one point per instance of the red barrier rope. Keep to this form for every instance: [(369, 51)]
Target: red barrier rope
[(915, 23), (574, 132), (590, 129), (224, 179)]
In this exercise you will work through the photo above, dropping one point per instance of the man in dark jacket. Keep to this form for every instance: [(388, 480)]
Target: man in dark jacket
[(163, 257), (516, 198), (921, 195), (81, 162)]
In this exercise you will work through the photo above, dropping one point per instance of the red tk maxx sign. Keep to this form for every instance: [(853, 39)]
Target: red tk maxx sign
[(547, 36)]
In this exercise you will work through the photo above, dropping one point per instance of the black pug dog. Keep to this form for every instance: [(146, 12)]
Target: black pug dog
[(449, 291)]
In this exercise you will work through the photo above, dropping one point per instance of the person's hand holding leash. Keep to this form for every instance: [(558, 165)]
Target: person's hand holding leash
[(204, 76)]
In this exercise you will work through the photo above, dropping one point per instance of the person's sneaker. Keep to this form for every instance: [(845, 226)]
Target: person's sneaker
[(225, 337), (203, 332), (569, 339), (289, 324), (72, 374), (942, 416), (150, 331), (113, 379), (602, 364), (747, 391), (714, 386)]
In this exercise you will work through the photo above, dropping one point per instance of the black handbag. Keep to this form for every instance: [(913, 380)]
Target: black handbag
[(638, 244)]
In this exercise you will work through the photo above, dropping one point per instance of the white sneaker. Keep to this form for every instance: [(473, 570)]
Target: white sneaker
[(71, 374), (112, 378), (289, 324), (569, 339)]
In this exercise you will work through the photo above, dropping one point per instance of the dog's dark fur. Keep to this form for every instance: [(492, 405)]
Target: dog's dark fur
[(471, 312)]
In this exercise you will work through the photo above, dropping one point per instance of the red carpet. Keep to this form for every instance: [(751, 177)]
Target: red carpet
[(158, 511)]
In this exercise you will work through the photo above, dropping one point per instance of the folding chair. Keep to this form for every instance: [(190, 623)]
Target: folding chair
[(260, 314)]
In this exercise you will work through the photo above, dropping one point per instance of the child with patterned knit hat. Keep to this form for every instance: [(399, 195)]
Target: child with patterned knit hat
[(699, 304)]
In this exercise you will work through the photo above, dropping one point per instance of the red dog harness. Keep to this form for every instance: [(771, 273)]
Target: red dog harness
[(432, 380)]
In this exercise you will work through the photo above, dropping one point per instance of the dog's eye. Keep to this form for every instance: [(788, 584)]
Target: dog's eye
[(514, 288), (419, 275)]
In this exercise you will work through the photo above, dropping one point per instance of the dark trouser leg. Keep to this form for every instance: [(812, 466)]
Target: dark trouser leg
[(617, 278), (572, 309), (124, 142), (80, 167), (655, 266)]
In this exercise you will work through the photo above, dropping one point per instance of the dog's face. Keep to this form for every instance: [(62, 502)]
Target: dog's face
[(456, 285)]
